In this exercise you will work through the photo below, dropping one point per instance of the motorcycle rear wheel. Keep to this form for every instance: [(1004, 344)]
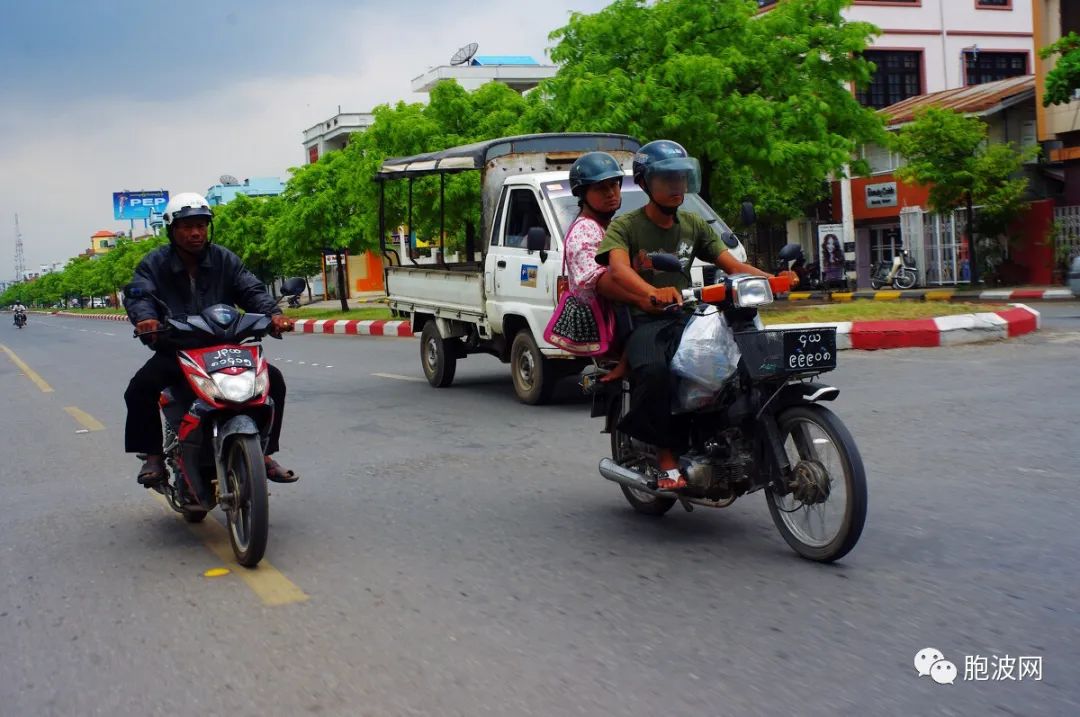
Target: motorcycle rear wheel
[(622, 452), (816, 439), (249, 516)]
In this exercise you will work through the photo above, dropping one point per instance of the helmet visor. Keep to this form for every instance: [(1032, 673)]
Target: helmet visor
[(678, 175)]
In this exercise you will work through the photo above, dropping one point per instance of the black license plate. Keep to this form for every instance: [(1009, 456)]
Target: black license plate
[(810, 350), (230, 358)]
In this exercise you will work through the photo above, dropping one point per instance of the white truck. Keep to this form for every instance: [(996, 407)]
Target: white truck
[(500, 301)]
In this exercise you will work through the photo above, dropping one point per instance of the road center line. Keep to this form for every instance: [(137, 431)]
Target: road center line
[(85, 419), (30, 373), (398, 377), (266, 581)]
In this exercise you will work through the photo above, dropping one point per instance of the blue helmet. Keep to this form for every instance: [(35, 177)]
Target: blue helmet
[(591, 168), (664, 156)]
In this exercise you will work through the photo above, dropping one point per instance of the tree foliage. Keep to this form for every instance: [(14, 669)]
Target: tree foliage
[(763, 100), (1062, 81)]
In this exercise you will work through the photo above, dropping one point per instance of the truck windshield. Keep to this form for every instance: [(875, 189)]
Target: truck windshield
[(566, 205)]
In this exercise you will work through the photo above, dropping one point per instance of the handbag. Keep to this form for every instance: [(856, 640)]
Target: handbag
[(580, 326)]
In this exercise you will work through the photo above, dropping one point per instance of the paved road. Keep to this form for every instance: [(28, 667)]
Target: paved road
[(460, 555)]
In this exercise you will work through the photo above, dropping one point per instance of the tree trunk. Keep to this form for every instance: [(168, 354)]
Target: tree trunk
[(972, 258), (706, 180), (341, 281)]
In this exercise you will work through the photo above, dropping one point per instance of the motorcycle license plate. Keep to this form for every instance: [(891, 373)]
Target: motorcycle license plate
[(810, 350), (230, 358)]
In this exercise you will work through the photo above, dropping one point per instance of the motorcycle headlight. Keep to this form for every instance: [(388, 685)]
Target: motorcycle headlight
[(236, 388), (208, 387), (262, 383), (752, 291)]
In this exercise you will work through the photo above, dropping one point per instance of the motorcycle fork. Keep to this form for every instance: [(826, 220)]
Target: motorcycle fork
[(772, 453)]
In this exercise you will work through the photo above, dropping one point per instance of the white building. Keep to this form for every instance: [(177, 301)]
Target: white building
[(933, 45), (334, 133)]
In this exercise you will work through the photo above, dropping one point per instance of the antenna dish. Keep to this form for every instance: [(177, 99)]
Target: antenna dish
[(228, 180), (465, 54)]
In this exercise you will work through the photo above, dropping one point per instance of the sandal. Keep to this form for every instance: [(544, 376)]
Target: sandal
[(152, 472), (672, 480), (277, 474)]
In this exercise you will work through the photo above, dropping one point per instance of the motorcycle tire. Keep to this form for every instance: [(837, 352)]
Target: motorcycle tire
[(249, 516), (875, 284), (620, 452), (802, 447), (905, 280)]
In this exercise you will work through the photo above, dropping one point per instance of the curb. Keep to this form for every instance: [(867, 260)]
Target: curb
[(933, 295), (354, 327), (931, 333)]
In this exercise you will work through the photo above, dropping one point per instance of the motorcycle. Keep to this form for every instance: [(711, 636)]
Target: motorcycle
[(901, 273), (217, 422), (294, 301), (792, 258), (765, 430), (20, 319)]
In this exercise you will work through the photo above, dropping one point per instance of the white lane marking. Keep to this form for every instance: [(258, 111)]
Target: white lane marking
[(301, 363), (288, 360), (329, 367), (398, 377), (1040, 471), (85, 331), (314, 364)]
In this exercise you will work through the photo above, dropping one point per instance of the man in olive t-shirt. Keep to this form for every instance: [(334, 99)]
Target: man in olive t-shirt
[(666, 173)]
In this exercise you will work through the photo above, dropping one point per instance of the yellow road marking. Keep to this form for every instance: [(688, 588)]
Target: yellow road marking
[(30, 373), (843, 296), (85, 419), (938, 294), (798, 295), (266, 581), (886, 295)]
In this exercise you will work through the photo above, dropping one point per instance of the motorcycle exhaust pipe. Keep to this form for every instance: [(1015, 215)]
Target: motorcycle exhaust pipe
[(626, 477)]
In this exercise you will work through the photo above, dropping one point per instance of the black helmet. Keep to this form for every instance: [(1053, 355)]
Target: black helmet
[(590, 168), (665, 156)]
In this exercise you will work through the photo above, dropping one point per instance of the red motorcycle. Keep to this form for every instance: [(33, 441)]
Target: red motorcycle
[(217, 422)]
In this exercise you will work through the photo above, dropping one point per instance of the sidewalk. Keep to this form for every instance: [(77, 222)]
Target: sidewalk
[(1028, 293)]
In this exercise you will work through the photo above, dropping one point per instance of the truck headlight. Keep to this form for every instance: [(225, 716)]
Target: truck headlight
[(752, 291)]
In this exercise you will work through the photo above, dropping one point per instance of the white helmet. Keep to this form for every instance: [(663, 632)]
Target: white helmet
[(186, 204)]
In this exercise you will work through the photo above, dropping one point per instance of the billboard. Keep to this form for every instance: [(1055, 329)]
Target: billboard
[(139, 205)]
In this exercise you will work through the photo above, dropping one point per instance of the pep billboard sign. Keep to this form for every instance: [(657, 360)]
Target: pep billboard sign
[(139, 205)]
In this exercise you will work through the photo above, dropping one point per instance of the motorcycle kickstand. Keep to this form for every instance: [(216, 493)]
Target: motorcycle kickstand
[(686, 504)]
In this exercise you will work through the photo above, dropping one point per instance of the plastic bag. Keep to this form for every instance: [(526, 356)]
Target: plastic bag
[(707, 353), (691, 396)]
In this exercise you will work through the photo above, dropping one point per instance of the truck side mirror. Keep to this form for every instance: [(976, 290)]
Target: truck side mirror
[(536, 239), (747, 215)]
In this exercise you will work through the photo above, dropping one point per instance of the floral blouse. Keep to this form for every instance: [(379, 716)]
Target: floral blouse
[(582, 271)]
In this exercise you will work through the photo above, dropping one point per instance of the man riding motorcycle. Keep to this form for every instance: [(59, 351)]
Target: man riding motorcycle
[(188, 275), (666, 173), (18, 310)]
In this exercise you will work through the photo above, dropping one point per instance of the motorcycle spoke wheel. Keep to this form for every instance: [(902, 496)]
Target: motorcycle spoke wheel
[(823, 515), (248, 516)]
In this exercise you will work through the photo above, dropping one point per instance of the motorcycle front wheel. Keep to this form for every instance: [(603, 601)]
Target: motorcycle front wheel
[(905, 280), (823, 515), (249, 511)]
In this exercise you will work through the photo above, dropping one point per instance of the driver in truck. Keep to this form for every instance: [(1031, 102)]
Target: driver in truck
[(666, 173)]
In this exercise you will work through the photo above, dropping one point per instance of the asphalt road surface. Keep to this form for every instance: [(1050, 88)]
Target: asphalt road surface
[(452, 552)]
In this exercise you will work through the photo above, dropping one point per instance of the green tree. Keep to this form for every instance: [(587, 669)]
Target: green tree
[(762, 100), (243, 226), (950, 154), (1062, 81)]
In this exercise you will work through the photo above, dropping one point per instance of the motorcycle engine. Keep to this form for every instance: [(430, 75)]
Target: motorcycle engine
[(722, 470)]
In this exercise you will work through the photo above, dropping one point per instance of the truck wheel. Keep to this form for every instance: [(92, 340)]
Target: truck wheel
[(438, 359), (534, 377)]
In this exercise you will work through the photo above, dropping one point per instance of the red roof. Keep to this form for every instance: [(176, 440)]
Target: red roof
[(103, 234), (971, 100)]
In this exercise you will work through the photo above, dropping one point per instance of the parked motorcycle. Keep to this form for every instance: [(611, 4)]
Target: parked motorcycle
[(792, 258), (218, 420), (20, 319), (294, 301), (901, 273), (764, 430)]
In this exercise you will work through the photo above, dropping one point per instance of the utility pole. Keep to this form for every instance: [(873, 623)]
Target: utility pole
[(20, 259)]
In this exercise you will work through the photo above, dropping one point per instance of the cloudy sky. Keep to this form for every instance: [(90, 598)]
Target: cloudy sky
[(97, 97)]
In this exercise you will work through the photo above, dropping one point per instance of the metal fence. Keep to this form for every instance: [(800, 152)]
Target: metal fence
[(1068, 220)]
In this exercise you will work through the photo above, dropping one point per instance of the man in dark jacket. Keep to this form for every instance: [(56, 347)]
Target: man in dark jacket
[(189, 275)]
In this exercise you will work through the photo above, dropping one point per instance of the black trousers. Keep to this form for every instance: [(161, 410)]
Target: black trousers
[(142, 433), (649, 350)]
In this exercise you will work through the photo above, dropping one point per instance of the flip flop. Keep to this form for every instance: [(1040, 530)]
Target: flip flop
[(674, 480), (277, 474), (152, 472)]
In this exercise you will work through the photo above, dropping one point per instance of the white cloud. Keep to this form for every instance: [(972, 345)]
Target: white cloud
[(60, 166)]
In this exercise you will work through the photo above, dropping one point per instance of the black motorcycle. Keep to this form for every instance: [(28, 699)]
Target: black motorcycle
[(764, 430), (20, 319)]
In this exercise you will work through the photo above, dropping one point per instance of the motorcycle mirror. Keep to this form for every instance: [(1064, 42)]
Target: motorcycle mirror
[(294, 286), (665, 262), (747, 214), (791, 252)]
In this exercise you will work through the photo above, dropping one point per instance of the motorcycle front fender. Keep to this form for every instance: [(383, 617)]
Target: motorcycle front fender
[(794, 394), (238, 425)]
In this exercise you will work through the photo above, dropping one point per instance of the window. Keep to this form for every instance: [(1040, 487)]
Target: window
[(898, 77), (522, 215), (885, 243), (881, 159), (994, 4), (983, 67)]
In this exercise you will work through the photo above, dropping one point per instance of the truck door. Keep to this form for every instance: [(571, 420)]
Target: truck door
[(518, 281)]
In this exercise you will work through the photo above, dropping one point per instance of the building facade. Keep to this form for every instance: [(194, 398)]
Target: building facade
[(220, 194)]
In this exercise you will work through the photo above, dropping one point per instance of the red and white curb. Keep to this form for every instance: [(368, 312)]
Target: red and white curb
[(865, 335), (930, 333), (354, 328), (71, 315), (1026, 295)]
